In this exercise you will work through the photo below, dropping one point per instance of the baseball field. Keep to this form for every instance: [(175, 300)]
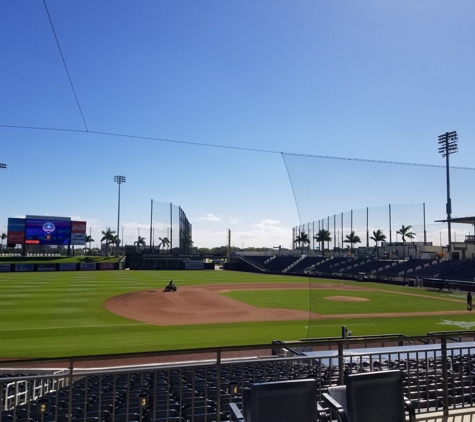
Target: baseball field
[(59, 314)]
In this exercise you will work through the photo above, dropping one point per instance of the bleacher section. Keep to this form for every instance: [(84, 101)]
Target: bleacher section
[(201, 391), (404, 267), (305, 264), (280, 263), (332, 265), (457, 270)]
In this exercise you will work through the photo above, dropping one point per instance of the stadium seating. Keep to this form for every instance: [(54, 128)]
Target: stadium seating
[(279, 263), (370, 397), (456, 270), (201, 391), (305, 264), (280, 401)]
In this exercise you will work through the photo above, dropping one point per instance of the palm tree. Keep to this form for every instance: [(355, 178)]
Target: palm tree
[(187, 242), (116, 241), (378, 236), (323, 236), (352, 238), (163, 242), (140, 241), (404, 231), (108, 236), (302, 239), (89, 239), (167, 243), (3, 237)]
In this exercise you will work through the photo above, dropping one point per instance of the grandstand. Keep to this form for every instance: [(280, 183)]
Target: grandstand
[(375, 269)]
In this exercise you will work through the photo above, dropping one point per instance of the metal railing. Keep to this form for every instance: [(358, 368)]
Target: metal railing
[(199, 384)]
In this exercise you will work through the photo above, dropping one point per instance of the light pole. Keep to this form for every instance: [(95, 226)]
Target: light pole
[(119, 180), (448, 145), (3, 166)]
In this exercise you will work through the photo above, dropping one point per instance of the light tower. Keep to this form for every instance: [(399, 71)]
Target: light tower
[(448, 145), (119, 180)]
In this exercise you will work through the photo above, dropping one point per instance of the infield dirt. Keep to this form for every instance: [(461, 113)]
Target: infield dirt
[(204, 305)]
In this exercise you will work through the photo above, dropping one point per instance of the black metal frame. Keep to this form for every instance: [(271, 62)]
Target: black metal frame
[(280, 359)]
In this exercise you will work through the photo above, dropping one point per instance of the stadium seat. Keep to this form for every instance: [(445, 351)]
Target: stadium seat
[(370, 397), (282, 401)]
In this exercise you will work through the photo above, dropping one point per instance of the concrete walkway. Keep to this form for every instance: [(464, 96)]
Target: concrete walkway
[(459, 415)]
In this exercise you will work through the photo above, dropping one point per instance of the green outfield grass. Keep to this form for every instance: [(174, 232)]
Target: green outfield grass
[(62, 314), (376, 301)]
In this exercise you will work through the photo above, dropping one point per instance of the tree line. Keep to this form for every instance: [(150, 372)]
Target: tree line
[(324, 235)]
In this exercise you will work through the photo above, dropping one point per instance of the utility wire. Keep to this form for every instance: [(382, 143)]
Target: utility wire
[(209, 145), (65, 66)]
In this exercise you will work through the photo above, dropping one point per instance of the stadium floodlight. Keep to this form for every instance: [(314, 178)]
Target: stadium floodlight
[(119, 180), (3, 166), (448, 145)]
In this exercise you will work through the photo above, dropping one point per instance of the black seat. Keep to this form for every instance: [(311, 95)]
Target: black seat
[(370, 397), (281, 401)]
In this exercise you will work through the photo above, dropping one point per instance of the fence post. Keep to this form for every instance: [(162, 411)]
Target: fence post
[(341, 364), (71, 380), (443, 348), (218, 383)]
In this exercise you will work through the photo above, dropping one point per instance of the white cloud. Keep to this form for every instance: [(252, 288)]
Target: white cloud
[(265, 233), (264, 223), (209, 217)]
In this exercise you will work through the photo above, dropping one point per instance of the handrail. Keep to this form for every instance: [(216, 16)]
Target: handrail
[(363, 349)]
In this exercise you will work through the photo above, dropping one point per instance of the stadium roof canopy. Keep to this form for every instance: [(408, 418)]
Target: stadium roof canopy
[(462, 220)]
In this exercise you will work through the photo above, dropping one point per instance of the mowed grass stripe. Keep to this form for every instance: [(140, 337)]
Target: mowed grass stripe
[(62, 314), (316, 301)]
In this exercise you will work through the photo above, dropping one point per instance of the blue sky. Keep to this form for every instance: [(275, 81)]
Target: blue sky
[(372, 79)]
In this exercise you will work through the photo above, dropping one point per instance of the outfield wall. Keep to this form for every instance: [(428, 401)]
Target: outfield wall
[(67, 266)]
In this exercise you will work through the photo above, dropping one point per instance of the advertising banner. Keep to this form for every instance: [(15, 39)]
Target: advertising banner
[(24, 267), (4, 267), (67, 267), (87, 266), (107, 266), (46, 267), (16, 231), (78, 232), (78, 239), (194, 265)]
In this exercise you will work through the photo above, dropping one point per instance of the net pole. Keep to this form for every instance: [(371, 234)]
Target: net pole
[(313, 236), (342, 230), (424, 218), (334, 231), (390, 228), (367, 228), (151, 223), (171, 228)]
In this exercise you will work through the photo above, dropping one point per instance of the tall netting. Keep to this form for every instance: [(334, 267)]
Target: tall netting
[(363, 222), (345, 195), (168, 232), (170, 229), (327, 189)]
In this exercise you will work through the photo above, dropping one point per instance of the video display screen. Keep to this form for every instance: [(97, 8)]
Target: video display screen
[(47, 232)]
